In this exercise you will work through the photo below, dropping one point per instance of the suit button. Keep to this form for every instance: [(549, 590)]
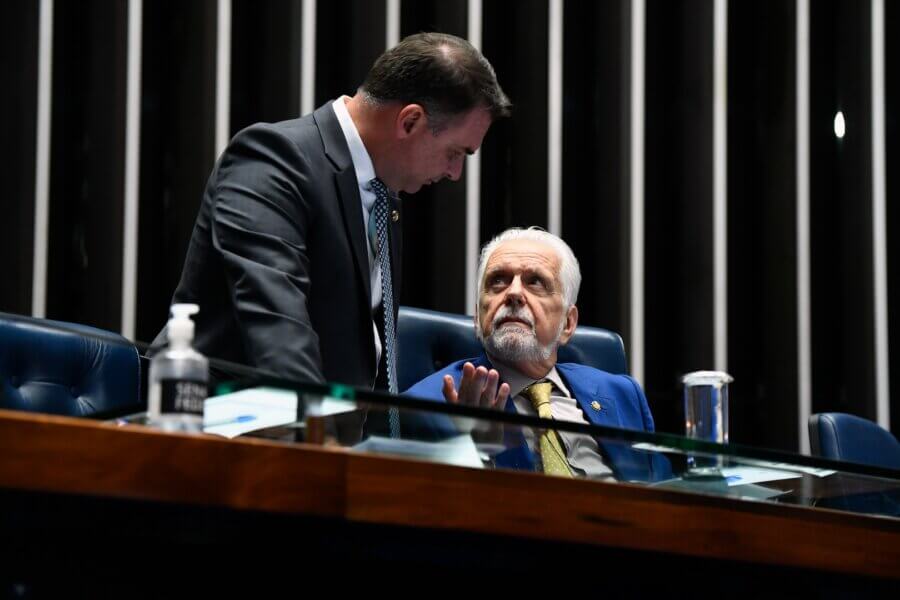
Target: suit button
[(596, 405), (395, 215)]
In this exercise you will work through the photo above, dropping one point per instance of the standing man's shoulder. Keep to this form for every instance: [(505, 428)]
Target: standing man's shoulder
[(287, 158), (300, 135)]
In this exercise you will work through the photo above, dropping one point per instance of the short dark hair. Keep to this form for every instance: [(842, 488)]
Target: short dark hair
[(447, 75)]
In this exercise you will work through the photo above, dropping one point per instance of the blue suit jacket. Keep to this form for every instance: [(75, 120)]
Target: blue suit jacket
[(622, 404)]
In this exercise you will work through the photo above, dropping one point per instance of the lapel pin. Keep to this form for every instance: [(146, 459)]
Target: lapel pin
[(395, 215), (596, 405)]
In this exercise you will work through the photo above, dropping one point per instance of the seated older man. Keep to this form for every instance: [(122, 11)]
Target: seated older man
[(528, 285)]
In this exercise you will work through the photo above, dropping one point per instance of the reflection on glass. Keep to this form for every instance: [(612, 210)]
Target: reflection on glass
[(358, 421)]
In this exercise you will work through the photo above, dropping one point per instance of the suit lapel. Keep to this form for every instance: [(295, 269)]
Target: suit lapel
[(598, 409), (348, 191), (628, 464), (396, 249)]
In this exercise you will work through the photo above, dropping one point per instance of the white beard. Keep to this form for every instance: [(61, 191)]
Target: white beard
[(512, 343)]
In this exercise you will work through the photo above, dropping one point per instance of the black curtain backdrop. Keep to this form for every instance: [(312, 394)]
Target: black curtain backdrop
[(18, 128)]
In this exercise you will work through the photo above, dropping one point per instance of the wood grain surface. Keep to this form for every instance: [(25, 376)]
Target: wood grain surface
[(72, 456)]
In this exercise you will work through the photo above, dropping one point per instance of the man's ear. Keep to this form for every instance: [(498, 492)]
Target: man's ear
[(410, 120), (571, 324)]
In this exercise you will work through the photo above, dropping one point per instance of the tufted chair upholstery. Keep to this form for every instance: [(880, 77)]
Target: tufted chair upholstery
[(854, 439), (66, 369), (430, 340)]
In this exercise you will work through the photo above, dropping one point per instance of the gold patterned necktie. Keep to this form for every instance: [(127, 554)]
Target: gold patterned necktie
[(552, 454)]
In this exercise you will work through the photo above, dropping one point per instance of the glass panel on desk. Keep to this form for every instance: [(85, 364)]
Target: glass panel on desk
[(361, 421), (370, 422)]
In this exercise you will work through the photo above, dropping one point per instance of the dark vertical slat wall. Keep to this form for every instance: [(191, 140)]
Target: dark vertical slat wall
[(892, 148), (265, 61), (841, 209), (514, 154), (84, 271), (18, 114), (762, 224), (434, 219), (678, 202), (177, 115), (596, 147), (177, 152), (350, 35)]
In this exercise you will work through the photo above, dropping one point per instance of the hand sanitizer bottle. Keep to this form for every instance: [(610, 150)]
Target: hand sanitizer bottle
[(178, 377)]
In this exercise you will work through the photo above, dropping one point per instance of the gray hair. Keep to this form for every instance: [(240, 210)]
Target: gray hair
[(569, 271)]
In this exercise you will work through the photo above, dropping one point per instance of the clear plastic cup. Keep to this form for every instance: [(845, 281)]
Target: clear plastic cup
[(706, 414)]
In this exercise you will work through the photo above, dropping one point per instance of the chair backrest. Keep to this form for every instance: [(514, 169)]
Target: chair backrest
[(429, 340), (65, 368), (848, 437)]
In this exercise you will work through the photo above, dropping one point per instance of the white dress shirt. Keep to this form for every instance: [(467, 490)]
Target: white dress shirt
[(365, 172)]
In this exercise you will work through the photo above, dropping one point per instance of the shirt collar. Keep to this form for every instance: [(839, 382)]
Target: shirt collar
[(518, 382), (362, 162)]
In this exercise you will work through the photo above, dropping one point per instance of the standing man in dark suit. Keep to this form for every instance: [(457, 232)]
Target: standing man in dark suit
[(300, 219)]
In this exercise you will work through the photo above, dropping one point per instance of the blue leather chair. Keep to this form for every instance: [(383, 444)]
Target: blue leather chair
[(66, 369), (850, 438), (429, 340)]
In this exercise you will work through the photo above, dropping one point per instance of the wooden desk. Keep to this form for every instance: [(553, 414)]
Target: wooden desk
[(70, 458)]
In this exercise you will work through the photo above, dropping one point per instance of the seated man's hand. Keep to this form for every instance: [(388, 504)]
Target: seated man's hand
[(478, 387)]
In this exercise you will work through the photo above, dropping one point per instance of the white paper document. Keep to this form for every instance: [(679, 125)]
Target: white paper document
[(762, 464), (231, 415), (790, 467), (459, 450), (744, 475)]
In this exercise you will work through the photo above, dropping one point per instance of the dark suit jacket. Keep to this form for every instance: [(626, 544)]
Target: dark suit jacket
[(277, 259)]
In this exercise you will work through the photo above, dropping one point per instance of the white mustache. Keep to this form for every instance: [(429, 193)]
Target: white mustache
[(523, 314)]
